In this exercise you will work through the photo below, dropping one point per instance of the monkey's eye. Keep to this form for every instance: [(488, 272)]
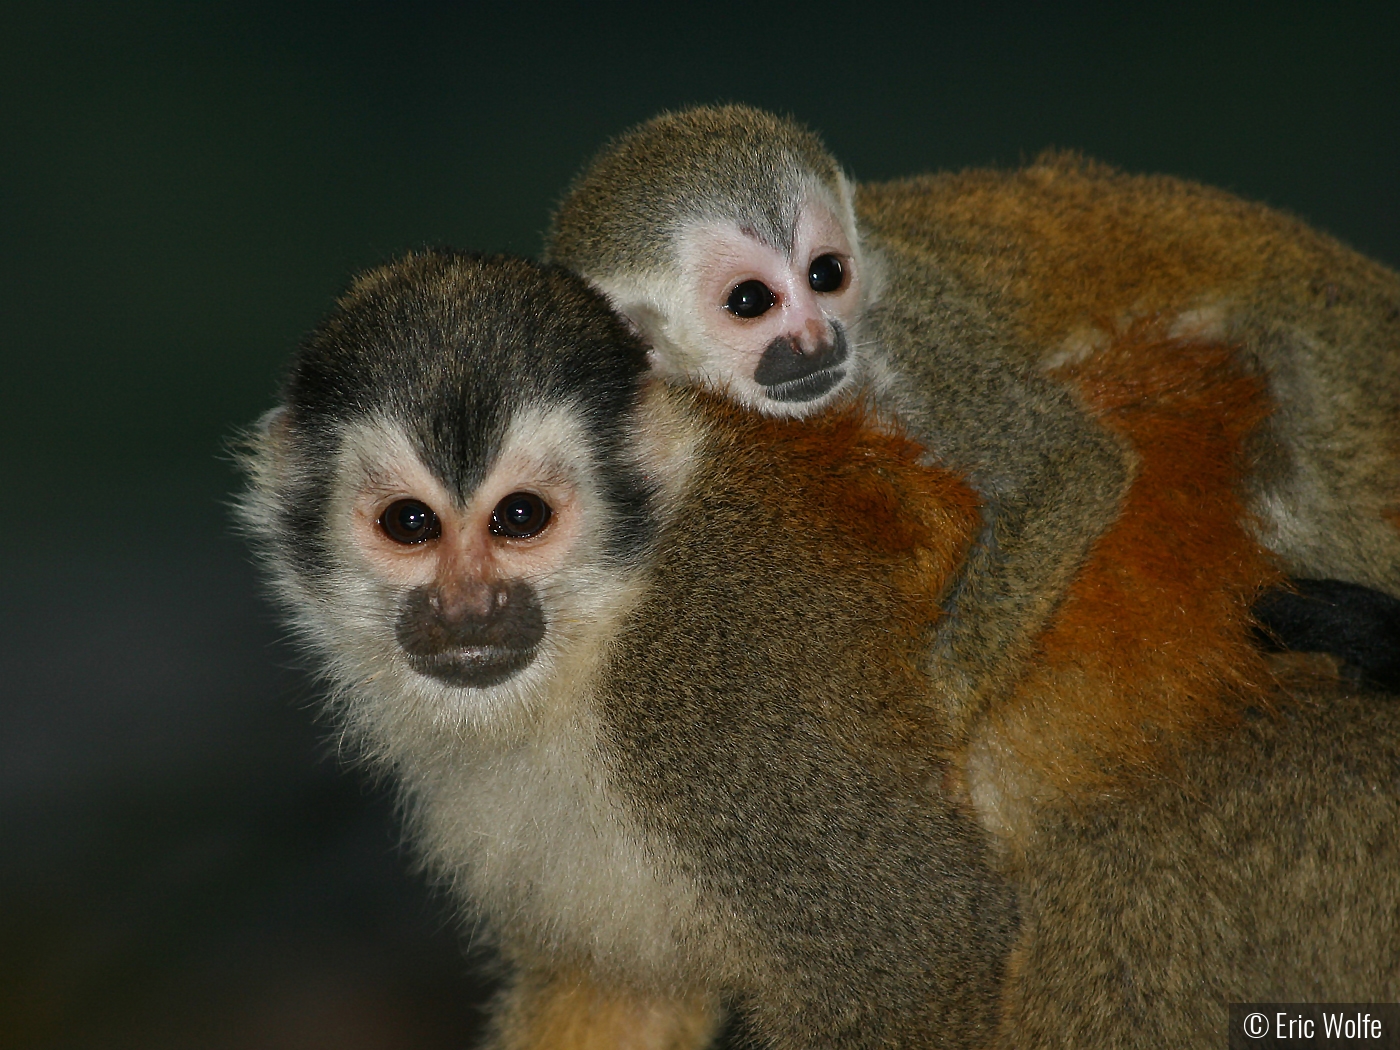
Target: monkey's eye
[(750, 299), (826, 274), (520, 516), (407, 521)]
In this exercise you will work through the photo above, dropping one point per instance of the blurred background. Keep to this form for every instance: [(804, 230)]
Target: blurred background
[(185, 861)]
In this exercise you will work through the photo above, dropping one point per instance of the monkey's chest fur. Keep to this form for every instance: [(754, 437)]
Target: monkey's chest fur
[(748, 800)]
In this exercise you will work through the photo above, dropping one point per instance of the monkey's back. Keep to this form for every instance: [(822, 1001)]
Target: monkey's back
[(1068, 243), (1068, 253), (806, 792), (1264, 868), (769, 721)]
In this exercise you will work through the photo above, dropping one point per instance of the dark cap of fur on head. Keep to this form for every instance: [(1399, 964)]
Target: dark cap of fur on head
[(712, 162), (452, 347)]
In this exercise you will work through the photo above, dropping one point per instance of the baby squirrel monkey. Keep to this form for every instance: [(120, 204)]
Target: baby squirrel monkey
[(646, 667), (748, 260)]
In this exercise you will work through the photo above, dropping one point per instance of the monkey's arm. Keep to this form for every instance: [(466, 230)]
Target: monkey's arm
[(1052, 479), (1150, 650), (1067, 252)]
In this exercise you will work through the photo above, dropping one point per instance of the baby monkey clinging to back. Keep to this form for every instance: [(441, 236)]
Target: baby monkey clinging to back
[(747, 259)]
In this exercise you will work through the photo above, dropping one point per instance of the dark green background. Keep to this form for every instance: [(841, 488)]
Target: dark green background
[(184, 189)]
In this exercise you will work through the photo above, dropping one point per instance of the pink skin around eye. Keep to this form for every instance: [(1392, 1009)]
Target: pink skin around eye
[(468, 555), (722, 258)]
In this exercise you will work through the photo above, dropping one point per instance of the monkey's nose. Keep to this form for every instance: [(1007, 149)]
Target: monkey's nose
[(468, 599), (470, 632), (815, 337), (788, 374), (785, 360)]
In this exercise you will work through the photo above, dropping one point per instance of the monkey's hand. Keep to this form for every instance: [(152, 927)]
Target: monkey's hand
[(550, 1010)]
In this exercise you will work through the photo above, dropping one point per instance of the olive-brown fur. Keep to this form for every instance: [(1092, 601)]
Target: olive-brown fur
[(797, 760), (1265, 869), (1069, 251), (742, 788), (1006, 304), (1048, 477)]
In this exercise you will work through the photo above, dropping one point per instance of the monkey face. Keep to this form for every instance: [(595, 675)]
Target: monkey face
[(468, 573), (775, 324), (468, 601), (451, 499)]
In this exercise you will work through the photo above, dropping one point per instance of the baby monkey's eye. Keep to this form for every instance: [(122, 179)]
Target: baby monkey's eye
[(826, 274), (520, 516), (407, 521), (750, 299)]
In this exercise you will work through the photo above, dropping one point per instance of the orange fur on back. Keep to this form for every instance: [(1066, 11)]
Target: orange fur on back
[(1068, 253), (1077, 242), (870, 536), (858, 489), (1151, 645)]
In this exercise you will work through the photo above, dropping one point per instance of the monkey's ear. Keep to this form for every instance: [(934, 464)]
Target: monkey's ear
[(642, 306), (667, 435), (265, 450), (648, 323), (275, 429), (641, 316), (636, 303)]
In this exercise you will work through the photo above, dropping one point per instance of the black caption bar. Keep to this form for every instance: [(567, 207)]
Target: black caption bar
[(1302, 1026)]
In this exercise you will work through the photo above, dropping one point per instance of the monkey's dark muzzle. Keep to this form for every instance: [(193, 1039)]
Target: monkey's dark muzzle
[(470, 648), (789, 375), (473, 667)]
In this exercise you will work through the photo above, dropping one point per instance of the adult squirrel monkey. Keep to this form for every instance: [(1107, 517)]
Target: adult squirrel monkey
[(648, 668)]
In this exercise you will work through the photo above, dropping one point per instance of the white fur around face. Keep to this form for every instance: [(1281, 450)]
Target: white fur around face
[(353, 626), (681, 312), (507, 786)]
